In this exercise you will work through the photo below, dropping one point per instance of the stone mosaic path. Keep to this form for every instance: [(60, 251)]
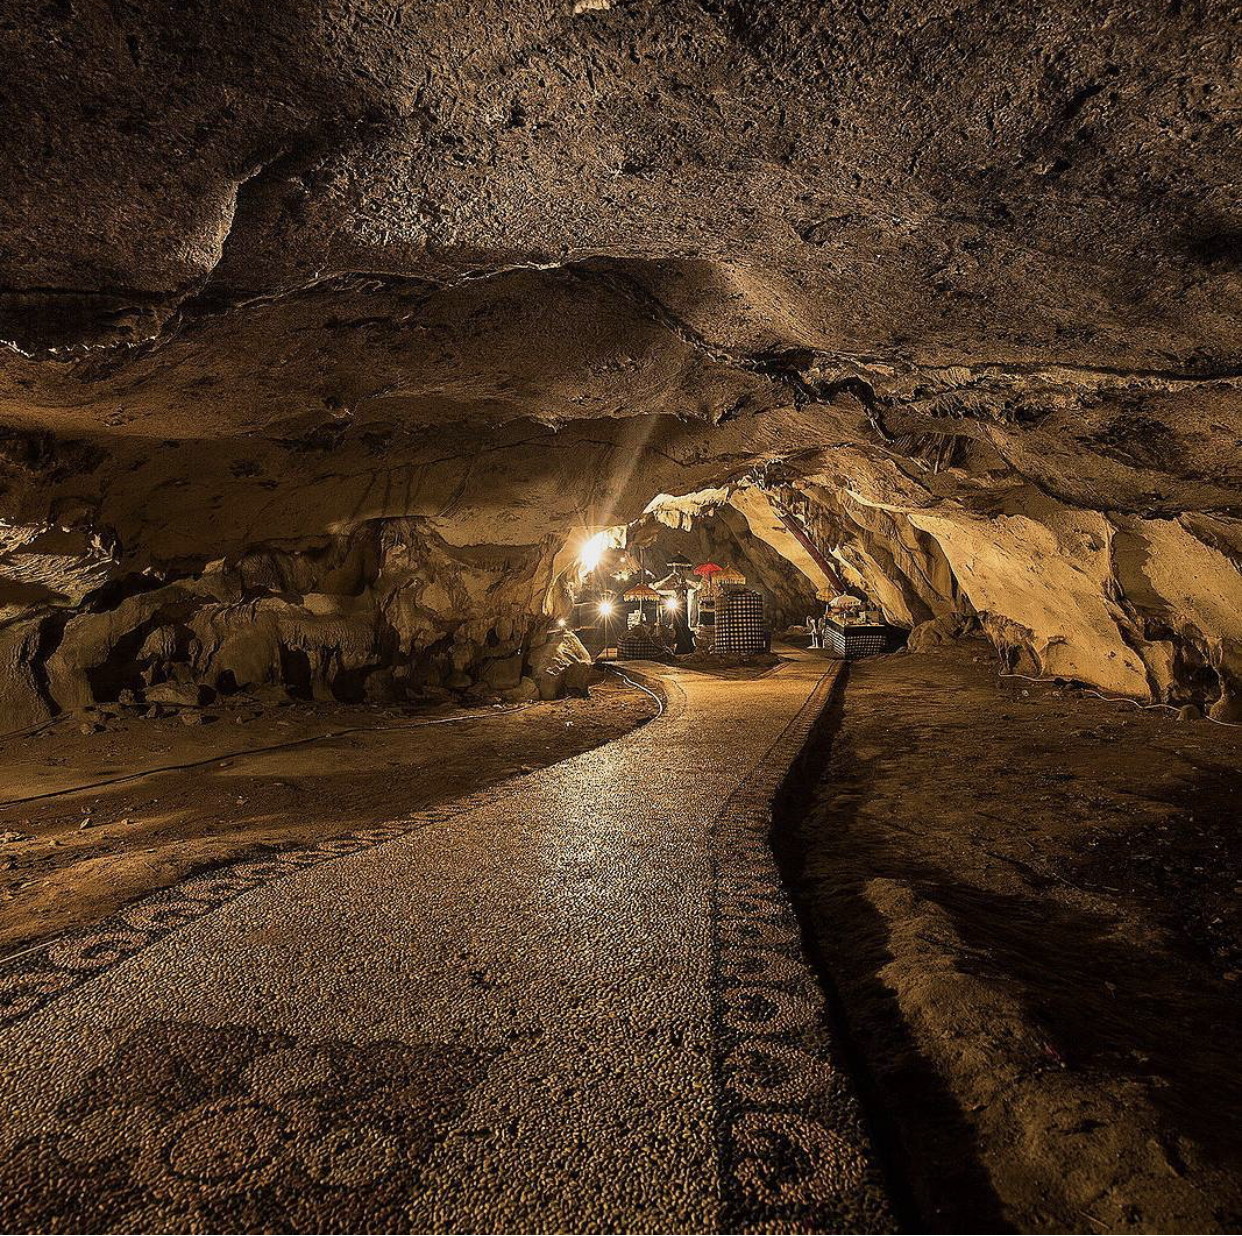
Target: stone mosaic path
[(575, 1002)]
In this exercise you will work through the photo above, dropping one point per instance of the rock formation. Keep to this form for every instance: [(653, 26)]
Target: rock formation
[(329, 327)]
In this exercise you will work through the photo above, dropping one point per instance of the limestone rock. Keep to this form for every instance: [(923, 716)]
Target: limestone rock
[(578, 678), (526, 692), (247, 657), (464, 653), (502, 673), (289, 395), (942, 630), (382, 688), (1228, 707), (187, 693), (22, 700), (549, 662)]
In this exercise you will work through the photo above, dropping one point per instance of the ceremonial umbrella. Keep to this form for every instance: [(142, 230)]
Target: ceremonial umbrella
[(707, 572), (641, 593)]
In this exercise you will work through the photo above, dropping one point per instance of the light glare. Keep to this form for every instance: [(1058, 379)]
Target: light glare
[(592, 551)]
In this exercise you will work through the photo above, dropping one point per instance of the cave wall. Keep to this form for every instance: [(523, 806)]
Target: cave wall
[(383, 614), (358, 549), (1143, 607), (330, 620)]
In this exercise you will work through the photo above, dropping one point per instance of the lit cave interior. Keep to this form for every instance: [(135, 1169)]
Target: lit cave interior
[(620, 615)]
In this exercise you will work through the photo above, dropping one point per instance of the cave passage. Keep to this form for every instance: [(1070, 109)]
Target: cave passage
[(620, 616)]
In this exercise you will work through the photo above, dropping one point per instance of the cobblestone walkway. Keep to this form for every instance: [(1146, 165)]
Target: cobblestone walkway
[(575, 1002)]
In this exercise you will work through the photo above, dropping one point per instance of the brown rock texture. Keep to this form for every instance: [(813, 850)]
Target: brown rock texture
[(328, 326)]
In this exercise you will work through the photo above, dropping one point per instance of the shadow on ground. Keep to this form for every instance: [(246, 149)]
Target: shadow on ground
[(1024, 904)]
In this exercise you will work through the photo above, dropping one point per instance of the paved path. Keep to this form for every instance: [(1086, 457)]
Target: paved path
[(575, 1002)]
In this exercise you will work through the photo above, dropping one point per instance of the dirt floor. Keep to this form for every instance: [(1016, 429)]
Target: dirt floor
[(1028, 901), (80, 835)]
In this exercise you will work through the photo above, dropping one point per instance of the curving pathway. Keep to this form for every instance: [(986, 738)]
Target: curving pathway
[(575, 1002)]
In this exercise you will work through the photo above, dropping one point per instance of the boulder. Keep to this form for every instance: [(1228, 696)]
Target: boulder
[(942, 630), (578, 678), (548, 663), (435, 695), (188, 693), (22, 703), (502, 673), (270, 695), (526, 692), (381, 687), (1228, 708)]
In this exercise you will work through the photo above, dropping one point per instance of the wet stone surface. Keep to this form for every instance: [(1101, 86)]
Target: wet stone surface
[(575, 1002)]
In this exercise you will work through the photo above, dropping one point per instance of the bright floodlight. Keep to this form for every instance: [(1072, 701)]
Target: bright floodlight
[(670, 602), (605, 608), (592, 551), (560, 622)]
